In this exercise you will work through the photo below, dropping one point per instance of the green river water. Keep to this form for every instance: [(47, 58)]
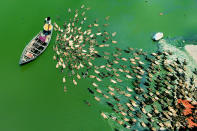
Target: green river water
[(32, 97)]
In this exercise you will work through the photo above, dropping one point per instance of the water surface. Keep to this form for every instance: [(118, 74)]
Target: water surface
[(32, 96)]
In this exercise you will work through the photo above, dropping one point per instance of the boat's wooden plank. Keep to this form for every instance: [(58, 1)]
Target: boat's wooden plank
[(26, 57), (31, 50), (34, 53), (35, 47), (38, 44), (41, 48)]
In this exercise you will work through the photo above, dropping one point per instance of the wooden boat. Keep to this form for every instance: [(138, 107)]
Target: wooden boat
[(158, 36), (35, 47)]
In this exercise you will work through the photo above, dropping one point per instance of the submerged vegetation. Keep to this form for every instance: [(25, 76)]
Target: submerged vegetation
[(145, 90)]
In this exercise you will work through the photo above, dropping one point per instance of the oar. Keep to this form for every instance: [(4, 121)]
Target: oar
[(48, 27)]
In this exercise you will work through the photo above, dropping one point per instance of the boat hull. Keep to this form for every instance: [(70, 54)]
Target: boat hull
[(34, 48)]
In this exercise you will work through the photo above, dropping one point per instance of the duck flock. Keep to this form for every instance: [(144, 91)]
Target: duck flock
[(145, 90)]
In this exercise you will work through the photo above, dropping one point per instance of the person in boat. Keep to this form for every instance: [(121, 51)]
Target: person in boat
[(47, 20), (46, 30), (47, 26)]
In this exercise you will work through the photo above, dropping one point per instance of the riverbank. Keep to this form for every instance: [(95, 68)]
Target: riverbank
[(192, 50)]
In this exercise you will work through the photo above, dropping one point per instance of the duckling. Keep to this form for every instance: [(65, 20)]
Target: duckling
[(165, 53), (143, 124), (123, 66), (137, 58), (128, 104), (107, 97), (131, 109), (111, 93), (139, 115), (98, 90), (119, 80), (126, 119), (124, 59), (116, 58), (144, 53), (96, 25), (145, 96), (134, 120), (94, 84), (150, 93), (135, 84), (139, 77), (113, 81), (154, 54), (129, 89), (113, 118), (107, 18), (133, 103), (184, 62), (132, 60), (96, 98), (135, 71), (116, 74), (120, 122), (149, 115), (140, 52), (141, 63), (128, 95), (64, 79), (150, 75), (160, 124), (127, 71), (168, 124), (158, 57), (143, 110), (137, 98), (104, 115), (123, 113), (74, 82), (131, 49), (130, 114), (121, 70), (135, 54), (153, 129), (128, 126), (128, 76), (65, 89)]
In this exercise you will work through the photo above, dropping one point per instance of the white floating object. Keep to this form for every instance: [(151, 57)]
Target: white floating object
[(158, 36)]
